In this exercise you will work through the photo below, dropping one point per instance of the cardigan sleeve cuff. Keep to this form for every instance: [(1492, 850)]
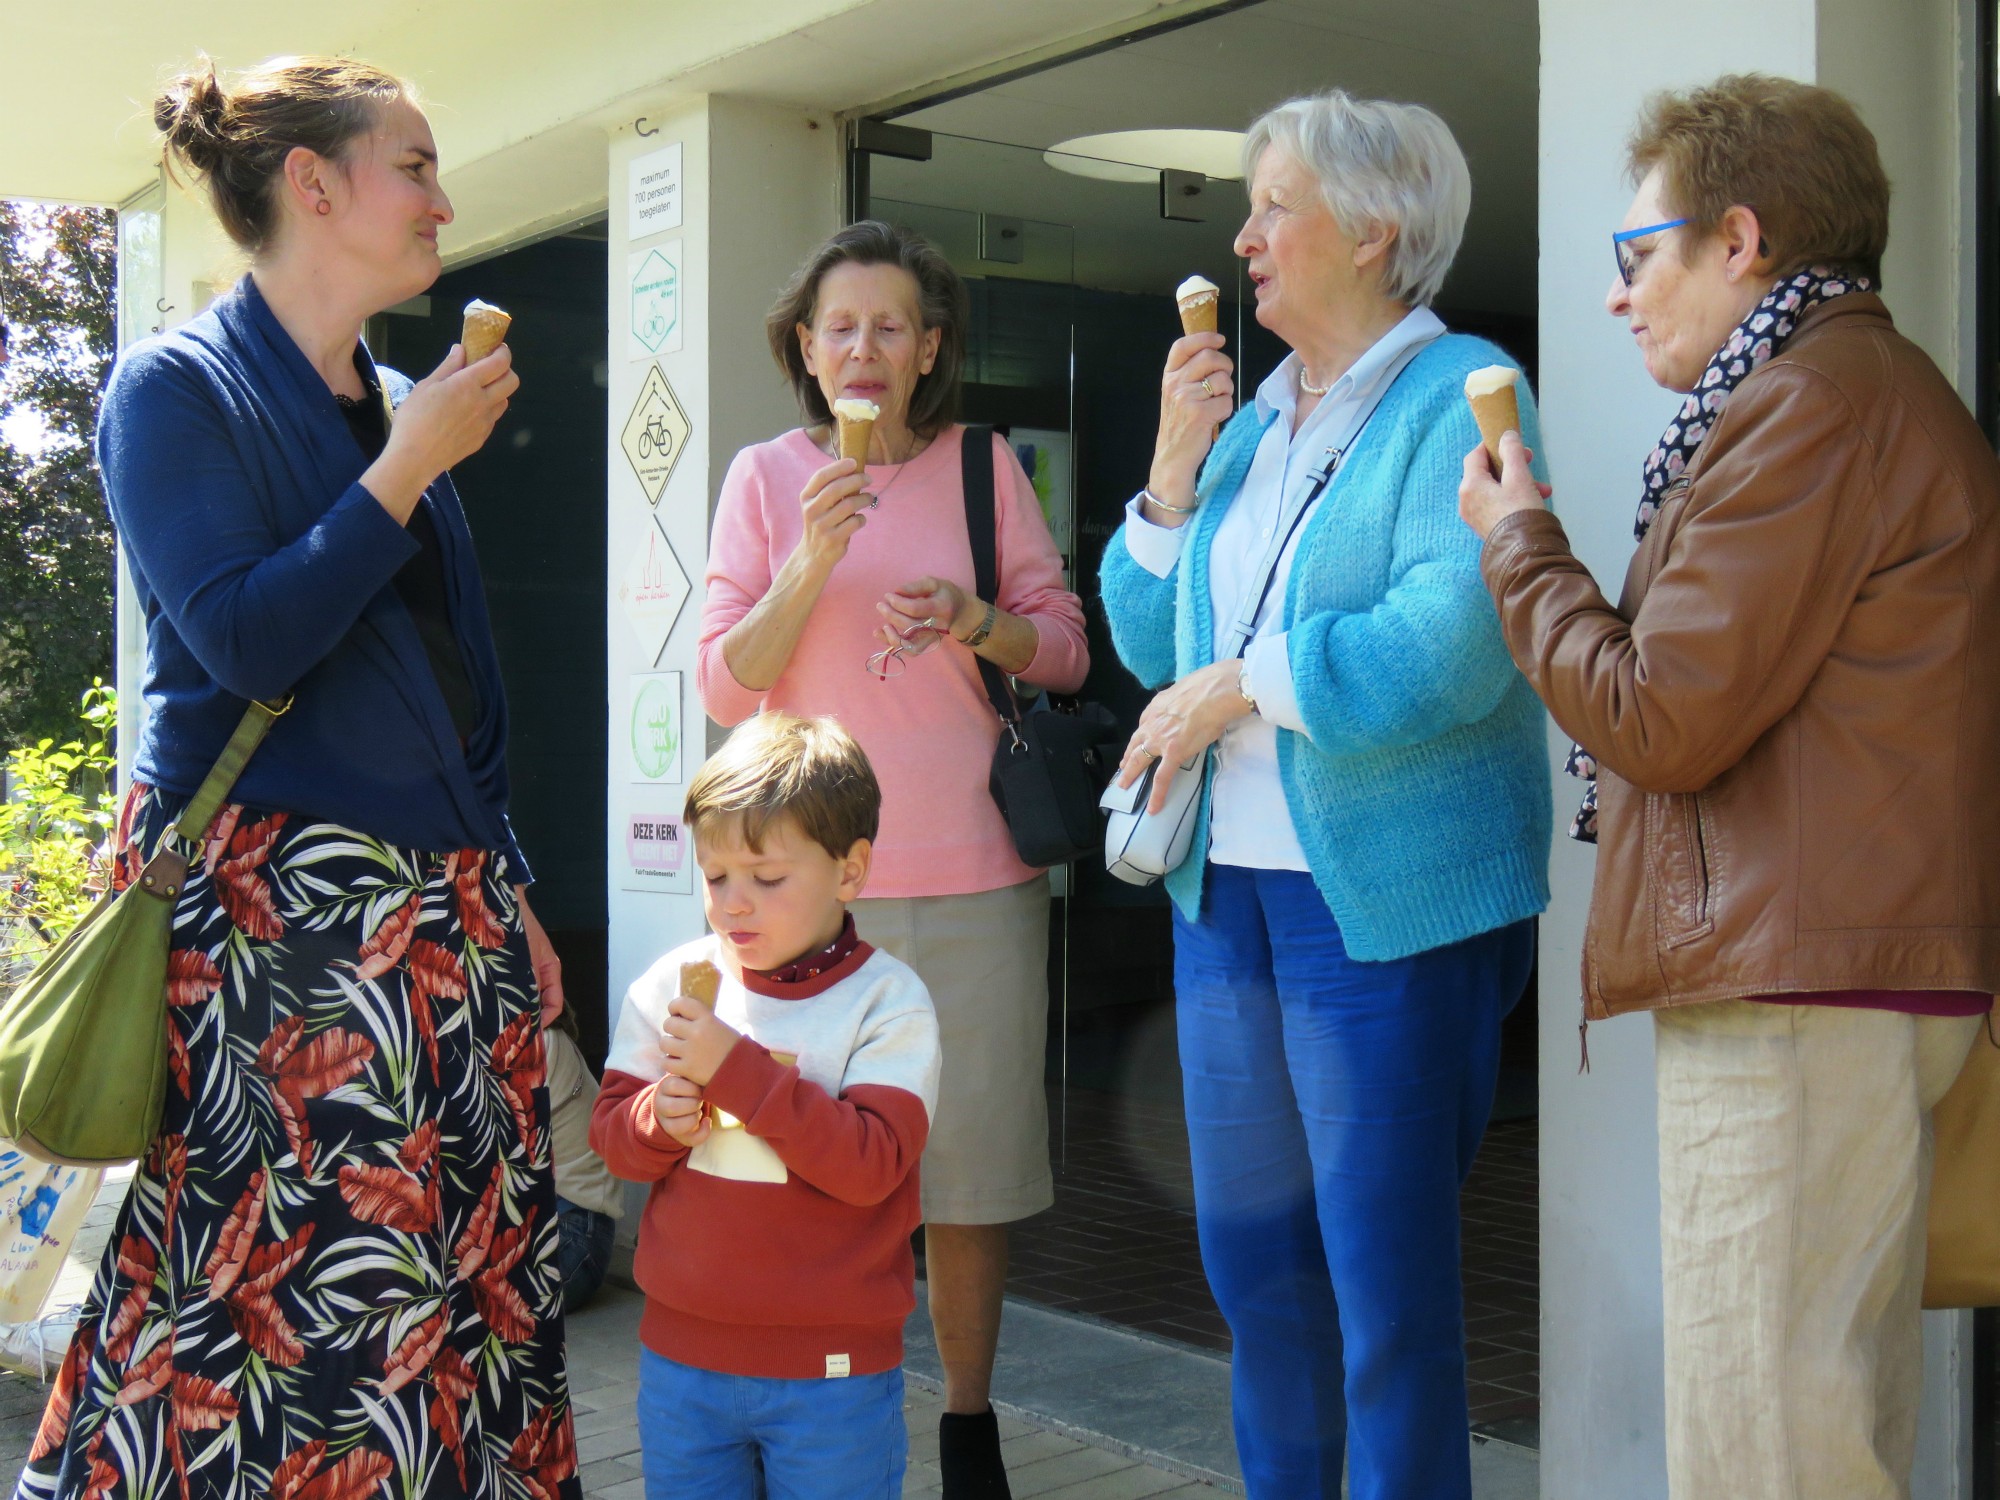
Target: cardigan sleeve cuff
[(1154, 547), (1270, 668)]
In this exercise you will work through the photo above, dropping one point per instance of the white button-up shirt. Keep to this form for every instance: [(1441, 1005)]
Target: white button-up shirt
[(1249, 823)]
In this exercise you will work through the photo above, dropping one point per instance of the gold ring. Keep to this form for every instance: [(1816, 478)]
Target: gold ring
[(1206, 388)]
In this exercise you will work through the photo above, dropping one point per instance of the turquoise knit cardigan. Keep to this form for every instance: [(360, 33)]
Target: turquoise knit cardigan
[(1420, 790)]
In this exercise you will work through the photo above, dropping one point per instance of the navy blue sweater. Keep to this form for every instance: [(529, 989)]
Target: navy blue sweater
[(265, 567)]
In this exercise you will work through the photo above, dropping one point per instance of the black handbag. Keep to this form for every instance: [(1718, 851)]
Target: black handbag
[(1051, 764)]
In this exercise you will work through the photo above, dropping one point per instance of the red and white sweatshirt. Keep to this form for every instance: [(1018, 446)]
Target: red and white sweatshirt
[(780, 1246)]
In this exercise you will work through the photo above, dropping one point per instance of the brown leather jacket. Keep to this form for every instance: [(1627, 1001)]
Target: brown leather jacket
[(1795, 707)]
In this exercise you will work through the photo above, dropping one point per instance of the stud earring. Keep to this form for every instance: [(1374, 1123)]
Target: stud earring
[(324, 207)]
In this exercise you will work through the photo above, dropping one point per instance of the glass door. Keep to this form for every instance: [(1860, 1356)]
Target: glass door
[(1072, 279)]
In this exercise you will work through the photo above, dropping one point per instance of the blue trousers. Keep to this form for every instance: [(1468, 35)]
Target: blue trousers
[(583, 1253), (1333, 1110), (704, 1435)]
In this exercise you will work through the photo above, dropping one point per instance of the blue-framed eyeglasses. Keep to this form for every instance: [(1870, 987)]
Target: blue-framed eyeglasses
[(1628, 264)]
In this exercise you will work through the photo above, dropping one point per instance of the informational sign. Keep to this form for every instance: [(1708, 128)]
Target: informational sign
[(655, 434), (654, 280), (654, 184), (653, 590), (655, 727), (658, 852)]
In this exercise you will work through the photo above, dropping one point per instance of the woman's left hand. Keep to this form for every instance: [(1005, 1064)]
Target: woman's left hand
[(1483, 501), (542, 955), (1180, 723), (937, 601)]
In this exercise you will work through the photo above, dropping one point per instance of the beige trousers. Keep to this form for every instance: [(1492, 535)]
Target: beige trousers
[(1795, 1157)]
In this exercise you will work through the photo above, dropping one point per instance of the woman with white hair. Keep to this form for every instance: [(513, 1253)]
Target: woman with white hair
[(1353, 920)]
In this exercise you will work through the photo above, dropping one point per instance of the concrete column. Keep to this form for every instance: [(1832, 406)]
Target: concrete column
[(759, 187), (1602, 1394)]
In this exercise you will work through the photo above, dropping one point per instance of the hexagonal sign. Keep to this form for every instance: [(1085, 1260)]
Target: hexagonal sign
[(656, 299), (655, 434)]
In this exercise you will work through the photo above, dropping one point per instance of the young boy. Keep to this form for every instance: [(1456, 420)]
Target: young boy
[(780, 1131)]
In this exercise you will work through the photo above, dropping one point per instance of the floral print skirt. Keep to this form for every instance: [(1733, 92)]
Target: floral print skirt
[(335, 1275)]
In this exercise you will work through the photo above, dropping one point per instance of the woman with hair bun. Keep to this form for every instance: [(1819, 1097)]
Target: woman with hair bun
[(336, 1266)]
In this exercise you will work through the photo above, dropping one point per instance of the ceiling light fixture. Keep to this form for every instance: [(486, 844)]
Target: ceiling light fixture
[(1141, 155)]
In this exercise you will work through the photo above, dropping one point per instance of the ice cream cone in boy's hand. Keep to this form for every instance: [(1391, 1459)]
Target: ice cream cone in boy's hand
[(701, 982), (1494, 406), (1198, 299), (855, 421), (485, 330)]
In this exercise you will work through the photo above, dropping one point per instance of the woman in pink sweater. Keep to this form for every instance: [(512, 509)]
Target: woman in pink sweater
[(821, 575)]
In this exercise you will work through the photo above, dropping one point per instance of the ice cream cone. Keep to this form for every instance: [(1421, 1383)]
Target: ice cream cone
[(1494, 407), (1199, 300), (485, 330), (855, 421), (701, 981)]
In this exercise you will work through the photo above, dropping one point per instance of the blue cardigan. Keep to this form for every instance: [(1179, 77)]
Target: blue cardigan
[(1420, 790), (265, 567)]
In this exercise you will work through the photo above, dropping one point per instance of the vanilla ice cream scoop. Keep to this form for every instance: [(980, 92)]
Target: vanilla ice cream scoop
[(1198, 299), (1494, 406)]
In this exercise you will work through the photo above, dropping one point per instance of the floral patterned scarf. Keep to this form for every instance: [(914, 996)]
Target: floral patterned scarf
[(1753, 342)]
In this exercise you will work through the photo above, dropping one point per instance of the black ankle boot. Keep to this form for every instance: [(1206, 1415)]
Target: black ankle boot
[(969, 1455)]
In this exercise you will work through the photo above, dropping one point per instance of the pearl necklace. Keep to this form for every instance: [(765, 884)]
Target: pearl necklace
[(1308, 387)]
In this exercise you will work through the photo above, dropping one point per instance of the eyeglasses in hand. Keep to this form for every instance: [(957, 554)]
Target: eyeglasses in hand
[(891, 660)]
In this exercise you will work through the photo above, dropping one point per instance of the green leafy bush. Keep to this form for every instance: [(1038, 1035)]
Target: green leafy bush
[(58, 815)]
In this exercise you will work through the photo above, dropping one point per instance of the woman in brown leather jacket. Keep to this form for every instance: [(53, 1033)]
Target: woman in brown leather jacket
[(1793, 717)]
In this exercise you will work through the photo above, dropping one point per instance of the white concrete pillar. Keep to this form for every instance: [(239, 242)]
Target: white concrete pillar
[(756, 187), (1602, 1395)]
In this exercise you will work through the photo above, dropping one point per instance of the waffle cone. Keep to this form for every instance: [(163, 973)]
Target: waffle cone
[(1495, 412), (1198, 314), (854, 434), (485, 330), (701, 981)]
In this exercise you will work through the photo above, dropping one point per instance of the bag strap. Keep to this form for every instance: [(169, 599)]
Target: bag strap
[(976, 475), (221, 779)]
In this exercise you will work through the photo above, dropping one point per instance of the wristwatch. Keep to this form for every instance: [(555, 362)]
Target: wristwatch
[(978, 636), (1243, 685)]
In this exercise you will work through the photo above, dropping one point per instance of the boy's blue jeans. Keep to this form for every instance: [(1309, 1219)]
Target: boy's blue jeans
[(709, 1436)]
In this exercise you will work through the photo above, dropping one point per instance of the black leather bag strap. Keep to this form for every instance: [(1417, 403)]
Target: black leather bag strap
[(976, 475)]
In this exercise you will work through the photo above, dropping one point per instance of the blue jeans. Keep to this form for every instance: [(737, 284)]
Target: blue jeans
[(583, 1252), (709, 1436), (1333, 1110)]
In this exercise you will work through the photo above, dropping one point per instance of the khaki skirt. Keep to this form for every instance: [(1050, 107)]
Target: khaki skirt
[(984, 957)]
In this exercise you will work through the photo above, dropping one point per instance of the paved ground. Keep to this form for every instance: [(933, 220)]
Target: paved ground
[(603, 1368), (1088, 1411)]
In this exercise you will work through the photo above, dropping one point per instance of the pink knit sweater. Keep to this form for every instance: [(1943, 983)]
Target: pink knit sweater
[(930, 732)]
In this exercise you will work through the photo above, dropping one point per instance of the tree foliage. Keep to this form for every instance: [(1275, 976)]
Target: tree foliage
[(58, 268)]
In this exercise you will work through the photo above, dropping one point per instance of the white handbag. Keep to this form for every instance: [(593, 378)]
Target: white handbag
[(1140, 847)]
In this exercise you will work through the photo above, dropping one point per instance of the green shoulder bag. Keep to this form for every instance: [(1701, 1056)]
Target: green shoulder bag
[(83, 1039)]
